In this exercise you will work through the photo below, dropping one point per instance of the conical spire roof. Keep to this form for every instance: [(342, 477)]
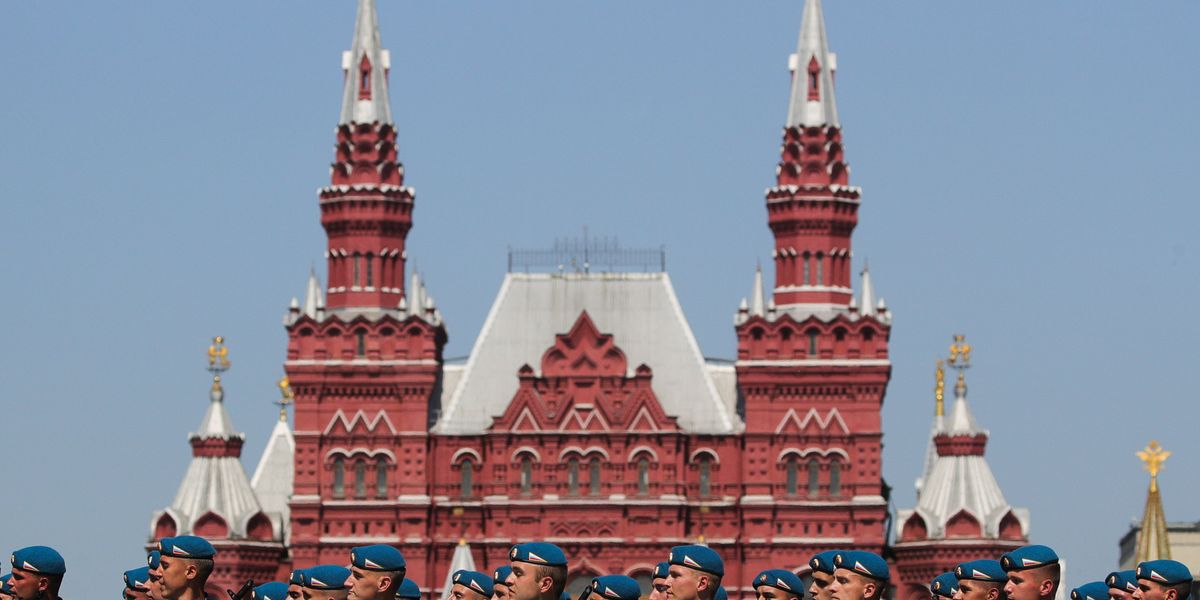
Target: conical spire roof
[(314, 300), (272, 481), (813, 102), (461, 560), (366, 64), (867, 306), (757, 304), (1152, 541)]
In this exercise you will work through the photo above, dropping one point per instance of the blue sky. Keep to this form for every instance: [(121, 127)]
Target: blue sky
[(1028, 171)]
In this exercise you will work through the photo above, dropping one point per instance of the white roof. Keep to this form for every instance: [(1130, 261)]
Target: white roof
[(813, 45), (366, 43), (640, 310), (272, 481), (462, 560)]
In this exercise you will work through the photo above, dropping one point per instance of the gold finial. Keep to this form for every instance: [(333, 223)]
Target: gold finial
[(1154, 456), (1153, 541), (960, 360), (218, 356), (286, 397), (939, 390)]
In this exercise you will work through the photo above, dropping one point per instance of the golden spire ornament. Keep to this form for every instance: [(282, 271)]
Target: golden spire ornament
[(939, 390), (960, 360), (287, 396), (1153, 543), (218, 362)]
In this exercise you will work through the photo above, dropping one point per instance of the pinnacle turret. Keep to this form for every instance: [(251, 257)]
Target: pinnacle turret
[(366, 65), (813, 103)]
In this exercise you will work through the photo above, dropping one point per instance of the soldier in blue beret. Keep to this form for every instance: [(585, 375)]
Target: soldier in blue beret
[(272, 590), (822, 574), (778, 584), (137, 584), (1121, 584), (539, 571), (185, 563), (376, 572), (858, 575), (409, 590), (695, 573), (325, 582), (1163, 580), (6, 592), (612, 587), (981, 580), (500, 589), (944, 586), (471, 585), (37, 572), (658, 581), (296, 584), (1033, 573), (154, 586), (1095, 590)]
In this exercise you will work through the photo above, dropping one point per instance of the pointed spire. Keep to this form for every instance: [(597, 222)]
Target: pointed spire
[(366, 64), (867, 304), (757, 293), (1152, 541), (461, 560), (313, 298), (813, 65)]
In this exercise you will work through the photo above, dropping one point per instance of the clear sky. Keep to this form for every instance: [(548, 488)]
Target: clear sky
[(1029, 174)]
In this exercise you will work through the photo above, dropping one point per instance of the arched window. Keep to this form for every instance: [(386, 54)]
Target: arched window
[(835, 478), (357, 268), (820, 269), (705, 468), (339, 478), (360, 479), (643, 476), (573, 476), (526, 474), (594, 477), (807, 268), (360, 343), (381, 478), (814, 478), (466, 488), (812, 343), (793, 475), (370, 270)]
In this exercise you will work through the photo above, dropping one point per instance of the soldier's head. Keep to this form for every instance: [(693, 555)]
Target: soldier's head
[(6, 592), (778, 584), (272, 590), (185, 563), (612, 587), (1163, 580), (37, 572), (539, 571), (944, 587), (1121, 584), (470, 585), (325, 582), (822, 574), (1033, 573), (154, 585), (500, 589), (695, 573), (295, 589), (137, 584), (858, 575), (981, 580), (376, 572), (658, 581)]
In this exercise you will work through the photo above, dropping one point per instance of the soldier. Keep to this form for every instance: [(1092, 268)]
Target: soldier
[(858, 575), (185, 563), (296, 585), (154, 585), (325, 582), (612, 587), (37, 572), (500, 583), (1121, 584), (1096, 590), (539, 571), (981, 580), (409, 590), (272, 590), (1033, 573), (822, 574), (470, 585), (695, 573), (778, 584), (1163, 580), (376, 572), (944, 587), (137, 584), (6, 592), (658, 581)]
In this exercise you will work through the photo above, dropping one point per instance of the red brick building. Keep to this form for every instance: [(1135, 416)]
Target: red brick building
[(586, 414)]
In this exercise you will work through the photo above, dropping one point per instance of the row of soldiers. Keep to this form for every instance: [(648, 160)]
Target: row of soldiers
[(180, 567)]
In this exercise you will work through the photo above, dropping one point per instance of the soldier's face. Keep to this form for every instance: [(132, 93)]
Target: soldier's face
[(136, 595), (819, 590), (969, 589), (1115, 594), (295, 592), (1030, 584), (1147, 590), (685, 584), (461, 592), (174, 576), (848, 585), (26, 585), (658, 589), (766, 592), (501, 592), (367, 585), (524, 583)]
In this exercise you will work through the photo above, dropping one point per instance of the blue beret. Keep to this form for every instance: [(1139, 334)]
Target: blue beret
[(1166, 572), (474, 580), (378, 557), (500, 575), (863, 563), (1122, 580), (186, 546), (152, 559), (136, 579), (409, 590), (823, 562), (1096, 590), (39, 559), (1028, 557), (615, 587), (538, 553), (661, 570), (5, 585), (325, 577), (781, 579), (701, 558), (565, 595), (945, 585), (721, 593), (981, 570), (272, 590), (297, 577)]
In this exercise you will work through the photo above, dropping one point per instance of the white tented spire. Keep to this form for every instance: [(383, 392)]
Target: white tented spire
[(813, 65), (366, 64), (867, 305), (313, 298), (462, 560), (757, 303), (272, 481)]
